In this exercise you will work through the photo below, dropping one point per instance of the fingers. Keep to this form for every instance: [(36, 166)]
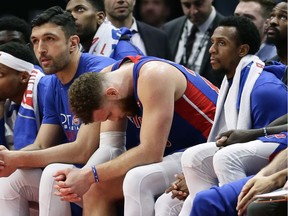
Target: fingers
[(71, 198), (62, 172), (221, 141), (2, 147), (245, 196), (60, 177)]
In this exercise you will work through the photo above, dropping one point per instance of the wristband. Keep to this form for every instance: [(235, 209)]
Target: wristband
[(95, 173), (265, 131)]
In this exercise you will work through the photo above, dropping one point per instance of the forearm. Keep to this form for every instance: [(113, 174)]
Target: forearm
[(279, 121), (275, 129), (269, 130), (280, 178), (277, 164), (31, 147), (63, 153), (119, 166)]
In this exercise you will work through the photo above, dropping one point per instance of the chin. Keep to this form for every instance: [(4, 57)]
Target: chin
[(219, 70)]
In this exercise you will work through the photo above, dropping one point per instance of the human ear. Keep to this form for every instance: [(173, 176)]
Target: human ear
[(24, 77), (100, 17), (112, 93), (74, 42), (244, 49)]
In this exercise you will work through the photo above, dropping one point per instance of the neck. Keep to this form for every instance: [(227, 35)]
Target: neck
[(67, 73), (124, 79), (86, 45), (121, 23), (19, 97), (282, 53)]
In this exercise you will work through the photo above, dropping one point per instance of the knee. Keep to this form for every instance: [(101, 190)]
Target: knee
[(133, 181), (194, 156), (48, 173), (167, 206), (13, 185), (188, 158), (7, 185), (222, 159)]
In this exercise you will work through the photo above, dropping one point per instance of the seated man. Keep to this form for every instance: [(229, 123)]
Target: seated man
[(56, 46), (25, 86), (171, 116), (240, 105), (236, 196)]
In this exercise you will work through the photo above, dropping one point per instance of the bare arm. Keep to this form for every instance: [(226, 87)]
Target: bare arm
[(78, 151), (269, 178), (156, 123), (242, 136), (158, 109)]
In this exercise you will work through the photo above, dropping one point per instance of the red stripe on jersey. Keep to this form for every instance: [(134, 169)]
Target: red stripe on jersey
[(197, 110)]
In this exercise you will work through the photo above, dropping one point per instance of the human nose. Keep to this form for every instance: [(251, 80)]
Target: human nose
[(41, 47), (212, 49), (192, 9), (273, 20)]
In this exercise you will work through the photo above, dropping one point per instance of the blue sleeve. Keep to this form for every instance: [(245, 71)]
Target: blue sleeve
[(218, 201), (50, 113), (2, 133), (102, 62), (42, 89), (268, 102), (25, 131), (26, 126)]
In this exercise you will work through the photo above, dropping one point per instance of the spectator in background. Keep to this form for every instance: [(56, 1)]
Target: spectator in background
[(13, 28), (150, 40), (277, 31), (258, 11), (226, 8), (89, 15), (97, 35), (154, 12), (200, 14)]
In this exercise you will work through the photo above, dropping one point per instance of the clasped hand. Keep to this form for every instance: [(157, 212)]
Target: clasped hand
[(71, 184), (7, 167)]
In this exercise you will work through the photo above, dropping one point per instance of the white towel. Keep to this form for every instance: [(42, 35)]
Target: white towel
[(30, 98), (105, 39), (227, 116)]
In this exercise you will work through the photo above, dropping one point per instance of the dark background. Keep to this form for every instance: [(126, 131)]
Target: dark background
[(28, 9)]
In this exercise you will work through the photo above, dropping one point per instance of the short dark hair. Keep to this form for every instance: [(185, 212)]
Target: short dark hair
[(18, 50), (247, 32), (266, 5), (14, 23), (59, 17), (97, 4), (86, 95)]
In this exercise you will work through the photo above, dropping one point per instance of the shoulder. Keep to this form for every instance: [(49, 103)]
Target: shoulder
[(156, 69), (90, 61), (269, 90), (45, 80)]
